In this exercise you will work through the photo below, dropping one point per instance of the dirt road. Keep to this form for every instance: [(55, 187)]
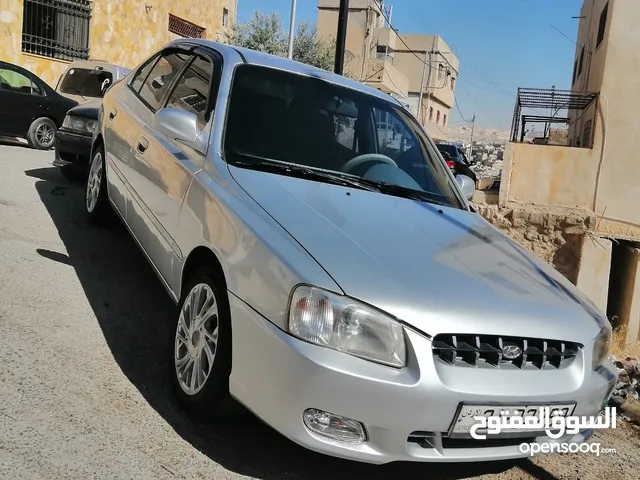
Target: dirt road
[(82, 376)]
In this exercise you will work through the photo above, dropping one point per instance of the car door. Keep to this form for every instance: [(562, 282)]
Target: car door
[(163, 167), (125, 113), (21, 99)]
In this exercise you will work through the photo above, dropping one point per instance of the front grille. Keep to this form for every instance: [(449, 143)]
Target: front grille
[(488, 351), (440, 442)]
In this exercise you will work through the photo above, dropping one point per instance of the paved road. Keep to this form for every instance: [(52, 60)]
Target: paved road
[(82, 376)]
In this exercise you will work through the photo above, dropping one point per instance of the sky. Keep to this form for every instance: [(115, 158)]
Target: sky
[(501, 45)]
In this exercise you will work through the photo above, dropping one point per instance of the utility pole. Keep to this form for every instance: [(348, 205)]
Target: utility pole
[(341, 37), (473, 124), (291, 27), (424, 71), (433, 48)]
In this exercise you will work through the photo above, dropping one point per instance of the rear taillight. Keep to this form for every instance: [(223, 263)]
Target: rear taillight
[(450, 164)]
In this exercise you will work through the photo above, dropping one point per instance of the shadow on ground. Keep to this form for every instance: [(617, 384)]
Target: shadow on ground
[(134, 314)]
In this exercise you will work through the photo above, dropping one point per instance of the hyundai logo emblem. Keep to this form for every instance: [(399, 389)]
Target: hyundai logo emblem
[(511, 351)]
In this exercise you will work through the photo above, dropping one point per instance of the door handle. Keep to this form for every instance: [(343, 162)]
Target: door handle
[(113, 113), (143, 144)]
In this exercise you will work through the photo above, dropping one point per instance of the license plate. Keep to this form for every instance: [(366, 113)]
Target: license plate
[(465, 419)]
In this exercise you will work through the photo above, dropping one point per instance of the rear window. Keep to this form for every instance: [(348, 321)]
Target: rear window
[(450, 149), (86, 82)]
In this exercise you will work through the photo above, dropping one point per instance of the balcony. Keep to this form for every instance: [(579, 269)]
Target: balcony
[(381, 74)]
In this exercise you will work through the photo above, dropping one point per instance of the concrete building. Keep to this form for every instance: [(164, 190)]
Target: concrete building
[(404, 66), (596, 173), (45, 36)]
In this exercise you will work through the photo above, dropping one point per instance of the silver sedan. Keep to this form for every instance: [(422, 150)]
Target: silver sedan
[(328, 272)]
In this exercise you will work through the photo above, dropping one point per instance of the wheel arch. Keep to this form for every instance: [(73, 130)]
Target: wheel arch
[(199, 257)]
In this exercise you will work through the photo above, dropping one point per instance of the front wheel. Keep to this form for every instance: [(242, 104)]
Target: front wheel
[(96, 201), (42, 133), (201, 348)]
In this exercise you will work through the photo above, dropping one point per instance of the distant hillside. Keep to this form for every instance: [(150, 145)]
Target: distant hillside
[(463, 134)]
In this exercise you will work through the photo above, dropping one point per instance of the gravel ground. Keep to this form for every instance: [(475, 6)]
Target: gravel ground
[(82, 378)]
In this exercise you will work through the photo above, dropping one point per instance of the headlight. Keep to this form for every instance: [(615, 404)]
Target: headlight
[(79, 124), (343, 324), (602, 345)]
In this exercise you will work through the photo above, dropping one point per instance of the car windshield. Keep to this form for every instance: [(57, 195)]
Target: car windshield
[(277, 117), (86, 82)]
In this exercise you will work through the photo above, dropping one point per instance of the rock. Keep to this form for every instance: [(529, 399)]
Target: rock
[(616, 401), (630, 365), (623, 377), (631, 408)]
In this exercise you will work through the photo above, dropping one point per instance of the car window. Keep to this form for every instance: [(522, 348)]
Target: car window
[(141, 75), (86, 82), (192, 90), (160, 78), (286, 117), (13, 81)]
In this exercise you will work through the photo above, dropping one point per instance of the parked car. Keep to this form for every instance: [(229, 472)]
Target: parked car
[(318, 281), (86, 82), (29, 108), (456, 160)]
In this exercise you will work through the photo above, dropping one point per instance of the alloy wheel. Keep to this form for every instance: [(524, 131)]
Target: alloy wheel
[(93, 182), (44, 135), (196, 339)]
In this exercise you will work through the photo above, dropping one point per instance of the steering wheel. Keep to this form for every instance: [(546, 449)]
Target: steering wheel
[(367, 157)]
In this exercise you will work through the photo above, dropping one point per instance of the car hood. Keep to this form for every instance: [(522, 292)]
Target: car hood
[(88, 110), (439, 269)]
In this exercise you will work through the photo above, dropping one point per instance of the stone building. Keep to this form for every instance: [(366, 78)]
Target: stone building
[(594, 177), (45, 35), (418, 69)]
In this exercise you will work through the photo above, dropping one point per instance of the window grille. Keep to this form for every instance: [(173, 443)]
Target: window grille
[(185, 29), (57, 28)]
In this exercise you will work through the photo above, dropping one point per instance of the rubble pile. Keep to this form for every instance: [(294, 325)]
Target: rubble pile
[(626, 394)]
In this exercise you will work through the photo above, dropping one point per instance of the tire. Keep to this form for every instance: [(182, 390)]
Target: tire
[(95, 199), (206, 395), (42, 134)]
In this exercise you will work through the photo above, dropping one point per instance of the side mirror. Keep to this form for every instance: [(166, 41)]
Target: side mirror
[(467, 186), (180, 126)]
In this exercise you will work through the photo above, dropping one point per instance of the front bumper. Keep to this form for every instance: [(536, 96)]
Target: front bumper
[(278, 377), (72, 148)]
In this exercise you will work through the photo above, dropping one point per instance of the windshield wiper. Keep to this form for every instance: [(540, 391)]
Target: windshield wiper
[(269, 165)]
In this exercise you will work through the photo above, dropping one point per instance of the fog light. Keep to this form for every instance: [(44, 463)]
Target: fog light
[(335, 427)]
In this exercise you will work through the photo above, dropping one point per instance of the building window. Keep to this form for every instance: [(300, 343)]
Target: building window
[(440, 71), (453, 83), (431, 114), (586, 134), (184, 28), (603, 24), (225, 17), (580, 62), (444, 120), (575, 71), (56, 28), (438, 117)]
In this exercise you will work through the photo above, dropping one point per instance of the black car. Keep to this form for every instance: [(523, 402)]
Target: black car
[(456, 160), (29, 108), (73, 139)]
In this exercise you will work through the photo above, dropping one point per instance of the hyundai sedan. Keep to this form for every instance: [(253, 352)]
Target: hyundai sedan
[(327, 270)]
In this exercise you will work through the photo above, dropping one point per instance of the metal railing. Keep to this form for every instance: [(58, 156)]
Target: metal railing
[(57, 28)]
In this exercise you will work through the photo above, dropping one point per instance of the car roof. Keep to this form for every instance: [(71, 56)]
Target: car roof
[(118, 70), (254, 57)]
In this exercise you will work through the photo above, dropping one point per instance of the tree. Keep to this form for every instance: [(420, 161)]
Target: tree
[(265, 33)]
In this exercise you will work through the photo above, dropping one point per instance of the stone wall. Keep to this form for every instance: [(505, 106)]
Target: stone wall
[(556, 237), (124, 32)]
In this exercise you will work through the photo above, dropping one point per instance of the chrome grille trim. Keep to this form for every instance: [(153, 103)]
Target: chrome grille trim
[(486, 351)]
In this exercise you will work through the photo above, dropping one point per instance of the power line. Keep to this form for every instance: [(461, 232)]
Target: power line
[(550, 24)]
